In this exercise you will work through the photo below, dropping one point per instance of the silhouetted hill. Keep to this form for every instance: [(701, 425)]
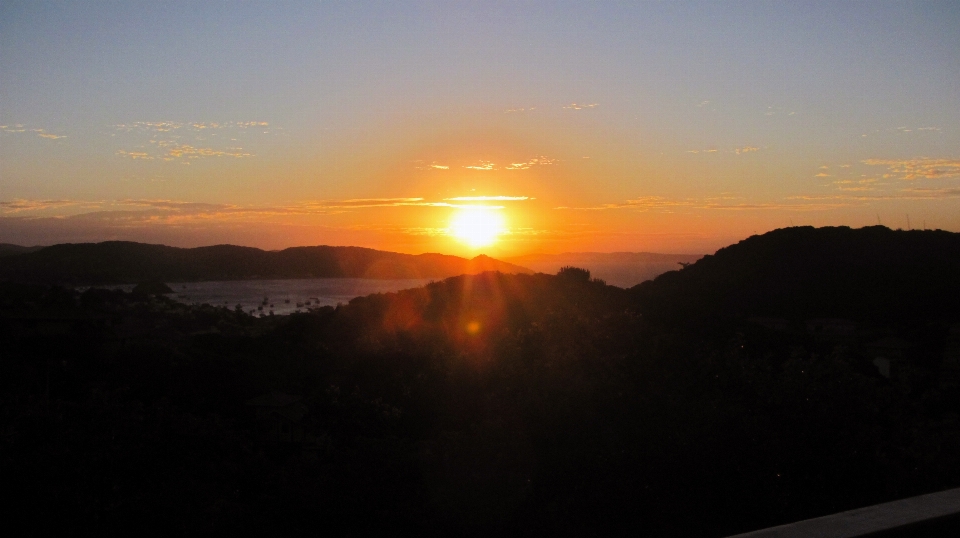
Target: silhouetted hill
[(491, 404), (7, 249), (128, 262), (804, 272), (623, 269)]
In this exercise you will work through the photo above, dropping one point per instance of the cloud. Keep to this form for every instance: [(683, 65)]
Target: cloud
[(484, 165), (135, 155), (904, 194), (537, 161), (575, 106), (866, 184), (703, 103), (514, 110), (777, 206), (718, 203), (191, 152), (822, 174), (21, 128), (170, 210), (920, 168), (170, 126), (643, 203), (432, 166), (746, 149), (488, 199), (173, 151), (19, 205), (43, 134)]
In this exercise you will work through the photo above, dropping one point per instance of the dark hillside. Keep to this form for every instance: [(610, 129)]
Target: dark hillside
[(491, 404), (7, 249), (116, 262), (868, 273)]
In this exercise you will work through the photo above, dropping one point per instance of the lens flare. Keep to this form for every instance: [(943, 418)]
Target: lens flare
[(477, 226)]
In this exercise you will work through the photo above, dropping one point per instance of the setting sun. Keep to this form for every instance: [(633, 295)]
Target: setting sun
[(477, 226)]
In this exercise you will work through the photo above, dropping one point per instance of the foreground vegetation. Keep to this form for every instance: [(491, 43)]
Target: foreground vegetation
[(492, 403)]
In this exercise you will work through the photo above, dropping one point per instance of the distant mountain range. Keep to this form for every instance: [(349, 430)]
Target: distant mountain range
[(6, 249), (623, 269), (118, 262)]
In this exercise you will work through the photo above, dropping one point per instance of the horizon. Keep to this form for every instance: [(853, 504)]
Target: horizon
[(461, 129)]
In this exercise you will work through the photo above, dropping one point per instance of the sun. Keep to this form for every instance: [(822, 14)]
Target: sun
[(477, 226)]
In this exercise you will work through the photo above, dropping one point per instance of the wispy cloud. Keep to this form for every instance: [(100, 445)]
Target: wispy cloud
[(135, 155), (537, 161), (421, 165), (577, 106), (21, 128), (483, 165), (42, 133), (19, 205), (186, 141), (717, 203), (856, 185), (170, 126), (905, 194), (746, 149), (488, 199), (145, 211), (518, 109), (171, 151), (920, 168), (191, 152), (643, 203)]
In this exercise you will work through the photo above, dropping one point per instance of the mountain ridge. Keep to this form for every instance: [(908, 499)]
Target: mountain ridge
[(805, 272), (119, 262)]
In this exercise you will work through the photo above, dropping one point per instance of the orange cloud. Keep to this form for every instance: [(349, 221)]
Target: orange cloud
[(575, 106), (488, 198), (484, 165), (920, 168)]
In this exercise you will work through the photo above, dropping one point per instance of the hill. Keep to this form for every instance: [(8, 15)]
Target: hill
[(622, 269), (804, 272), (7, 249), (496, 403), (116, 262)]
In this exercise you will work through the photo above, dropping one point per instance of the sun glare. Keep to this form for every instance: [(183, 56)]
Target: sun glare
[(477, 226)]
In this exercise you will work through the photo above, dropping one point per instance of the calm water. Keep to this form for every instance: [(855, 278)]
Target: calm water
[(283, 296)]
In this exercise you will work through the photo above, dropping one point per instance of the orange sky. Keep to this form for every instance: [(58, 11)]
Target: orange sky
[(667, 128)]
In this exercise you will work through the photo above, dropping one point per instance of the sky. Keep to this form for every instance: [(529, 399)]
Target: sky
[(581, 126)]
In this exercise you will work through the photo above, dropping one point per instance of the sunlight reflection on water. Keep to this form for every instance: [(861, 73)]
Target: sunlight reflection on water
[(283, 295)]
